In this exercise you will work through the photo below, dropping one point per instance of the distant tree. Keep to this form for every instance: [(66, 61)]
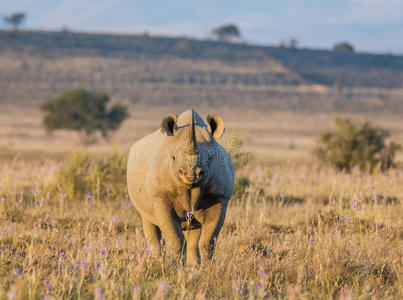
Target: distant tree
[(281, 44), (343, 47), (226, 32), (84, 112), (15, 19), (293, 43), (358, 145)]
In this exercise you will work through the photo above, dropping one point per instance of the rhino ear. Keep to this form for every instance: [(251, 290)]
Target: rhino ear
[(216, 125), (168, 124)]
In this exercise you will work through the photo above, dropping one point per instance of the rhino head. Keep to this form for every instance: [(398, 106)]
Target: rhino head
[(191, 146)]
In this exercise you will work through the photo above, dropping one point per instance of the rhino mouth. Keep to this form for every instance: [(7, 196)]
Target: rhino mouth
[(195, 179), (185, 179)]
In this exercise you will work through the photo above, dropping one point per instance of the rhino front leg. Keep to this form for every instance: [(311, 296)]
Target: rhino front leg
[(192, 246), (170, 226), (215, 216), (152, 234)]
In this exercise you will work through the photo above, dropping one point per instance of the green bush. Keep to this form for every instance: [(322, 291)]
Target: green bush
[(82, 177), (240, 185), (359, 145)]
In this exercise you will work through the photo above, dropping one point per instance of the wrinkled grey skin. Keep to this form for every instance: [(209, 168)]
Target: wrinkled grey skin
[(180, 180)]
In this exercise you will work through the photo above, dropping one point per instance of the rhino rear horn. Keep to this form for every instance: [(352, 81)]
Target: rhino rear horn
[(216, 125), (168, 124)]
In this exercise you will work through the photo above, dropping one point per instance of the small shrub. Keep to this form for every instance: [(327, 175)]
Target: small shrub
[(240, 185), (83, 177), (353, 145)]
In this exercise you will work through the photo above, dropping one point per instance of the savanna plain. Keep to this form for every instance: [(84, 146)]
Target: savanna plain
[(294, 229)]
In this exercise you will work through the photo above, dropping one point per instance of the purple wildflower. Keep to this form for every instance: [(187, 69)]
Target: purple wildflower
[(148, 250), (119, 238), (19, 272), (259, 286), (135, 289), (10, 228), (239, 290), (115, 219), (263, 274), (62, 255), (89, 196), (189, 214), (2, 233), (73, 266), (134, 255), (99, 293), (90, 247), (11, 294), (2, 249), (265, 293), (98, 265), (377, 226), (164, 286), (103, 251), (47, 297), (84, 265), (312, 240), (47, 285)]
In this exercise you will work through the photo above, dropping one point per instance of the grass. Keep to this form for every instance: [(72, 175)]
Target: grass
[(295, 231)]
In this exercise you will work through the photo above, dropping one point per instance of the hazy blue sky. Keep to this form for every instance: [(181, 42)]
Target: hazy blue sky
[(371, 25)]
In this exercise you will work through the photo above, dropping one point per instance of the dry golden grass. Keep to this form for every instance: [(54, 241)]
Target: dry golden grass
[(298, 231)]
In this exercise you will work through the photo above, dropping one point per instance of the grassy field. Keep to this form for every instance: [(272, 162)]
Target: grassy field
[(296, 231)]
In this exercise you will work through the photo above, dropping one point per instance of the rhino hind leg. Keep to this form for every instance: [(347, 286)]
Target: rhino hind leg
[(215, 216), (152, 234)]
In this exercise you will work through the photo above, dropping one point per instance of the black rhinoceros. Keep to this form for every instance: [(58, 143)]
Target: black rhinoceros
[(180, 179)]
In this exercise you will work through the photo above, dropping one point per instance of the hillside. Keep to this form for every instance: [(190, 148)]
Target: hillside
[(36, 65)]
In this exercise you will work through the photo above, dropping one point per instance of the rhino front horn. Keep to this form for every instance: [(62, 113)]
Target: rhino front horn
[(192, 147)]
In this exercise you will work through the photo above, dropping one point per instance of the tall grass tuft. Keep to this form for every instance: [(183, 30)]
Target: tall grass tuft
[(82, 176)]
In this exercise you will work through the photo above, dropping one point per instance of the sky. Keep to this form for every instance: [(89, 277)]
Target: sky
[(370, 25)]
